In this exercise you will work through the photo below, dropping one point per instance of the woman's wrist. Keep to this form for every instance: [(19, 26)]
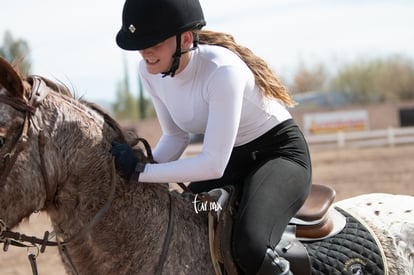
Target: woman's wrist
[(139, 168)]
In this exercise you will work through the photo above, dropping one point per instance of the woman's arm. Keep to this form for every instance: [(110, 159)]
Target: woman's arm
[(173, 140), (225, 97)]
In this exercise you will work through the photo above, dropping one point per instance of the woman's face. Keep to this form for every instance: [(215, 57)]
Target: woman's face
[(159, 58)]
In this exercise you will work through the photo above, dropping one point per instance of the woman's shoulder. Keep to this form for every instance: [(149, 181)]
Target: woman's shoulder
[(219, 55)]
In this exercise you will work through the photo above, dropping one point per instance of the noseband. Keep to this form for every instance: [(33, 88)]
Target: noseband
[(38, 92)]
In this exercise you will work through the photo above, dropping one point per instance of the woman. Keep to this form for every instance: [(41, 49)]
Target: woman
[(204, 83)]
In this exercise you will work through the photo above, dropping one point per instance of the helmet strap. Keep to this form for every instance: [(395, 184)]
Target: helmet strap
[(176, 58), (177, 55)]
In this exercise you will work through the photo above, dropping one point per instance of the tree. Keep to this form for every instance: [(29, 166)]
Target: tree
[(397, 79), (142, 105), (16, 51), (146, 109), (126, 106), (375, 81), (306, 79)]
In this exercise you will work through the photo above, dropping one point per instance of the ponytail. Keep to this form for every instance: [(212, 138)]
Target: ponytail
[(270, 85)]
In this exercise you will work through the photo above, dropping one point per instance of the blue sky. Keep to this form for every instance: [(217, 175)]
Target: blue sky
[(73, 41)]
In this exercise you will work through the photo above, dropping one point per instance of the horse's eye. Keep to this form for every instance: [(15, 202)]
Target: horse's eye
[(2, 141)]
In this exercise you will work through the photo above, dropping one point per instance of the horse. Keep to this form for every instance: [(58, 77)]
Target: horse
[(55, 157)]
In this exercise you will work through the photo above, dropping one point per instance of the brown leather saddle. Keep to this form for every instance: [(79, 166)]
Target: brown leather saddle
[(312, 221)]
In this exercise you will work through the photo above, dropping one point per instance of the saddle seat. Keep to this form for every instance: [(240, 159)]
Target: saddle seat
[(312, 220)]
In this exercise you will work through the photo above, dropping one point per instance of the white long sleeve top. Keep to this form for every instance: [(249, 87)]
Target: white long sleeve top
[(215, 95)]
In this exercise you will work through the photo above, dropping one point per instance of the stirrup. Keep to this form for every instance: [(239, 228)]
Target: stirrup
[(274, 264)]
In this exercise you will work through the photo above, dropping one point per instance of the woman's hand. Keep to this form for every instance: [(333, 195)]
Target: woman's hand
[(125, 160)]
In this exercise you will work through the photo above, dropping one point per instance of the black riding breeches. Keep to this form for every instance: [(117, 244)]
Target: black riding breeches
[(274, 174)]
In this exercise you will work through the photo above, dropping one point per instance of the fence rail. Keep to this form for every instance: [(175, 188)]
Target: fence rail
[(360, 139), (385, 137)]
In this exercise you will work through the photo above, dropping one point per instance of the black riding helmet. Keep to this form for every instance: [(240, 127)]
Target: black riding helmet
[(146, 23)]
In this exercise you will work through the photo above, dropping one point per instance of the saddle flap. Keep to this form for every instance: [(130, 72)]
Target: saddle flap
[(223, 229)]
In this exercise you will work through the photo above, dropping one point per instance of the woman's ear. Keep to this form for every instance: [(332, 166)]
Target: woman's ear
[(186, 40)]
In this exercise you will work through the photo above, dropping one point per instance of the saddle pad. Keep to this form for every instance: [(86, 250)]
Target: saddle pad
[(352, 251)]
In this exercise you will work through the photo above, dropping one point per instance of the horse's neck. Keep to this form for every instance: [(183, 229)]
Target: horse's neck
[(132, 233), (77, 154), (135, 224), (79, 163), (78, 140)]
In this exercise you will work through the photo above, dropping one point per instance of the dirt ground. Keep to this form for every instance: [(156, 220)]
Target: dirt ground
[(359, 171), (351, 172)]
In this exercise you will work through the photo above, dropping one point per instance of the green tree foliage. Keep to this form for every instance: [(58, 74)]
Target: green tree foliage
[(16, 51), (146, 109), (128, 106), (375, 81), (125, 106)]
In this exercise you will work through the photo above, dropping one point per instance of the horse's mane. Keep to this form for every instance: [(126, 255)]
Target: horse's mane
[(131, 138), (61, 89)]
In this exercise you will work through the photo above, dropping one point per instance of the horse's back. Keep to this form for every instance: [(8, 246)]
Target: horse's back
[(382, 209), (391, 218)]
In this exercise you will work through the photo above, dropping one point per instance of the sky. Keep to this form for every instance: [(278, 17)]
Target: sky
[(74, 41)]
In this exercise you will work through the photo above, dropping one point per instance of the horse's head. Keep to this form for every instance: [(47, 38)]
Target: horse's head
[(15, 112), (46, 136), (54, 149)]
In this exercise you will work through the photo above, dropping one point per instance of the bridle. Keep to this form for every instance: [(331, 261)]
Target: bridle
[(39, 90), (28, 109)]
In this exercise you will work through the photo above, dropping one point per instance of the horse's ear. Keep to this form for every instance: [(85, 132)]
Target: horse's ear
[(10, 79)]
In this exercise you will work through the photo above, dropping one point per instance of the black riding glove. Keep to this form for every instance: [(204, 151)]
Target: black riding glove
[(125, 160)]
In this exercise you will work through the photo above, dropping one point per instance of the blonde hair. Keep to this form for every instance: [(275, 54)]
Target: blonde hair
[(270, 85)]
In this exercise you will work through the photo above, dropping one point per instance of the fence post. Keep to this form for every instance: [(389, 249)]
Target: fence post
[(391, 136), (341, 139)]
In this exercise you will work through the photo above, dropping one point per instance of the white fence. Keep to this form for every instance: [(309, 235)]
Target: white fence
[(360, 139), (386, 137)]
